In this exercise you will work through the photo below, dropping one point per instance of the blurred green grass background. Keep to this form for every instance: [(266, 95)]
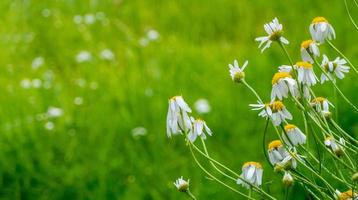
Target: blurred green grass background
[(94, 61)]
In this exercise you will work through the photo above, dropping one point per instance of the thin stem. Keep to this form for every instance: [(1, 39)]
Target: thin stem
[(349, 15), (252, 90), (264, 142), (335, 102), (190, 194), (340, 53)]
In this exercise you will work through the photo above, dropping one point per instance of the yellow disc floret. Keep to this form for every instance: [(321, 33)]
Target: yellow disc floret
[(277, 106), (280, 75), (346, 195), (304, 64), (274, 144), (256, 164), (289, 127), (319, 20), (305, 44)]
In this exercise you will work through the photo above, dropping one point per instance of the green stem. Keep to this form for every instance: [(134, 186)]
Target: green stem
[(252, 90), (349, 15), (190, 194), (340, 53)]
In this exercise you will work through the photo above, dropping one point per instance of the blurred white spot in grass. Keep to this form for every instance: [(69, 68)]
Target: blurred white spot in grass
[(78, 101), (139, 132), (54, 112), (143, 42), (81, 82), (107, 54), (152, 34), (148, 92), (46, 12), (83, 56), (202, 106), (77, 19), (36, 83), (49, 126), (37, 62), (94, 85), (26, 83), (89, 19)]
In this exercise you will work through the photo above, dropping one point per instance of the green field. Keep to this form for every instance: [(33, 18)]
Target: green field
[(110, 67)]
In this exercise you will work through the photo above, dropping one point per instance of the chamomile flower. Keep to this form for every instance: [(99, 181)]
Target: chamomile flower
[(285, 68), (306, 74), (237, 74), (274, 31), (275, 110), (334, 146), (276, 152), (321, 104), (309, 48), (321, 30), (294, 136), (287, 179), (199, 129), (333, 68), (347, 195), (178, 119), (282, 84), (252, 173), (181, 184)]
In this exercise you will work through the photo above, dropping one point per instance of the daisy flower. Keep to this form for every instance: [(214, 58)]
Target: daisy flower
[(306, 74), (321, 30), (237, 73), (293, 135), (276, 152), (282, 83), (347, 195), (181, 184), (285, 68), (309, 48), (199, 129), (287, 179), (177, 118), (252, 173), (274, 31), (275, 110), (336, 67), (335, 146), (321, 104)]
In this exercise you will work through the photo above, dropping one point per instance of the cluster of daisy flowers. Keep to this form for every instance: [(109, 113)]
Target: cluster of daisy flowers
[(291, 154)]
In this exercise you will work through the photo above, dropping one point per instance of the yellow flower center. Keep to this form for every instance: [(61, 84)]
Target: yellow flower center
[(305, 44), (318, 100), (346, 195), (280, 75), (319, 20), (256, 164), (275, 35), (289, 127), (274, 144), (304, 64), (277, 106)]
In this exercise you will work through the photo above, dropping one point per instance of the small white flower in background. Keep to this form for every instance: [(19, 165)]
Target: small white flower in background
[(321, 104), (178, 119), (54, 112), (276, 152), (107, 54), (26, 83), (37, 62), (336, 147), (139, 131), (78, 101), (347, 195), (202, 106), (237, 74), (287, 179), (333, 68), (36, 83), (282, 84), (83, 56), (274, 31), (306, 74), (89, 19), (275, 110), (181, 184), (77, 19), (199, 129), (252, 173), (294, 135), (152, 34), (321, 30), (49, 126), (309, 48)]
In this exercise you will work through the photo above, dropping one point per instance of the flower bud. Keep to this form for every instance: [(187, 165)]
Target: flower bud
[(287, 179), (355, 177), (239, 76), (181, 184), (278, 168)]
